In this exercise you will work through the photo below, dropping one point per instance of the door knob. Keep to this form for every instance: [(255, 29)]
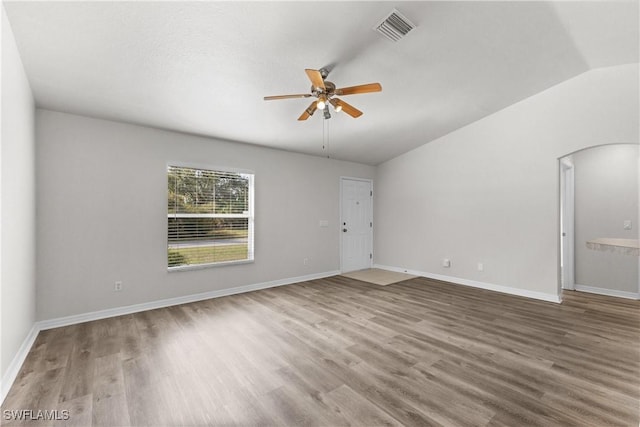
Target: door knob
[(344, 230)]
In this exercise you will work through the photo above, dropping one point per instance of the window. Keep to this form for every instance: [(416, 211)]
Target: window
[(210, 217)]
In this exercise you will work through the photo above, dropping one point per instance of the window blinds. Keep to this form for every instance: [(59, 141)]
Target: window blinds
[(210, 217)]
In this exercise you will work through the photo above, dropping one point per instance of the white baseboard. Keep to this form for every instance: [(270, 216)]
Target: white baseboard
[(608, 292), (13, 369), (136, 308), (475, 284)]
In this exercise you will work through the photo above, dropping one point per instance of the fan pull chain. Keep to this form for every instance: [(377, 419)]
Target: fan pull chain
[(325, 139), (324, 147)]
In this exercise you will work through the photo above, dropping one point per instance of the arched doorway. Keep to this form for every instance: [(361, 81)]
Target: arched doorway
[(599, 216)]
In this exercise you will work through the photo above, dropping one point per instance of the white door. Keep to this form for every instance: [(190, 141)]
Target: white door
[(356, 224), (567, 224)]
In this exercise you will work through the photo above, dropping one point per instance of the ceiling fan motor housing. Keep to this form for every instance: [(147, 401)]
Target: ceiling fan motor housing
[(329, 89)]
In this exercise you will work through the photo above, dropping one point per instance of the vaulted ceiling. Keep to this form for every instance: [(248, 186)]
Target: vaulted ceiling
[(204, 67)]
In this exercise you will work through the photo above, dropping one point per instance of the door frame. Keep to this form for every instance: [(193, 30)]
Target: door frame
[(370, 181), (567, 224)]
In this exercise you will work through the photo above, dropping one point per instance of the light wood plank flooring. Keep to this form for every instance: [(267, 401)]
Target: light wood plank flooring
[(378, 276), (339, 352)]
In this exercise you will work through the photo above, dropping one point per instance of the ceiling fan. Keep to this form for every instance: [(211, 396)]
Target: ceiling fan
[(327, 93)]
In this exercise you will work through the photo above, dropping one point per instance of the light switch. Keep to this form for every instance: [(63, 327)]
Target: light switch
[(626, 224), (324, 223)]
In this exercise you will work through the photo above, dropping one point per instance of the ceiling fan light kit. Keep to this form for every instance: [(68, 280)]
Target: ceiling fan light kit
[(326, 93), (322, 101), (336, 104)]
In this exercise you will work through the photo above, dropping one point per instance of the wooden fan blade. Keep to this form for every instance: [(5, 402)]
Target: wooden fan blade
[(353, 90), (309, 111), (348, 108), (299, 95), (316, 78)]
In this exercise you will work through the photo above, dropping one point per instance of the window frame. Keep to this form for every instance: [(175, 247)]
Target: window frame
[(250, 216)]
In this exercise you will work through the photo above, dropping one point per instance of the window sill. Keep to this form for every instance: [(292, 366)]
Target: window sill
[(212, 265)]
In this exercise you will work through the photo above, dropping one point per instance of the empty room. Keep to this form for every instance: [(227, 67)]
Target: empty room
[(303, 213)]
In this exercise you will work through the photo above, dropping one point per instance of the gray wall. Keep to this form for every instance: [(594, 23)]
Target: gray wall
[(102, 213), (606, 194), (489, 192), (17, 202)]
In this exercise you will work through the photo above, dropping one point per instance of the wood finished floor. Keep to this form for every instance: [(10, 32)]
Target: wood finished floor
[(338, 352)]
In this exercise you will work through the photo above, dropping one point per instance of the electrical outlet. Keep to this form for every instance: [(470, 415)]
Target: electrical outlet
[(446, 263), (480, 266), (305, 261), (117, 287), (626, 224)]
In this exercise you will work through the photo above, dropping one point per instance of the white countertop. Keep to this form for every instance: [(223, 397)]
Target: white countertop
[(624, 246)]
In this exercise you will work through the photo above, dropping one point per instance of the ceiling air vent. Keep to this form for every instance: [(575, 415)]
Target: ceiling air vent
[(395, 26)]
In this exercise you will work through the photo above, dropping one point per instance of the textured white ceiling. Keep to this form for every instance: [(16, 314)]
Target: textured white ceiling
[(203, 67)]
